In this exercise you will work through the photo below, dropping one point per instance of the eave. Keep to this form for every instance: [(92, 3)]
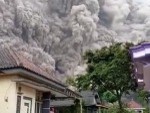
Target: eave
[(53, 85)]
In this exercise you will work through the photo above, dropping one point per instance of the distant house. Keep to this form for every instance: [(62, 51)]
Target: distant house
[(92, 103), (60, 105), (25, 87), (90, 99), (134, 106), (141, 59)]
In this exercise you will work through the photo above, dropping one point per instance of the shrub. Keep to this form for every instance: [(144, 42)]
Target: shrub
[(115, 109)]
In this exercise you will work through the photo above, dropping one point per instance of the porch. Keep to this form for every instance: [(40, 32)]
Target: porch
[(33, 97)]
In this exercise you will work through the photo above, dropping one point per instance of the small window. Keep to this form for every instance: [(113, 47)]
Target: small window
[(38, 107)]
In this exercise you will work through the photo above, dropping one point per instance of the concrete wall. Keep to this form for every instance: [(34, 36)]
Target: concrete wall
[(7, 95), (147, 77), (30, 93), (139, 70)]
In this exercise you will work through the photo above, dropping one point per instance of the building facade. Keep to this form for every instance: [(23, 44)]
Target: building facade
[(25, 87), (141, 60)]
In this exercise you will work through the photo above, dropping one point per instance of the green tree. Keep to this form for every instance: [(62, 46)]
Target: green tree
[(143, 95), (114, 109), (109, 69), (109, 97), (71, 81)]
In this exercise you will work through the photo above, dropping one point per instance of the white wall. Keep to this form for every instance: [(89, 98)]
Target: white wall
[(7, 92), (147, 77), (27, 92)]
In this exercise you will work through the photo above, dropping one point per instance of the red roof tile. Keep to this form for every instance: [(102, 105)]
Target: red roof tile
[(134, 105)]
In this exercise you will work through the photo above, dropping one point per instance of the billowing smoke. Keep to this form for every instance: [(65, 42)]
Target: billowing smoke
[(56, 33), (128, 18)]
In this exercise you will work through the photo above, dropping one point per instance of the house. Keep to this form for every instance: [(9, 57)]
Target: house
[(92, 103), (26, 87), (141, 60), (90, 99), (134, 106), (60, 105)]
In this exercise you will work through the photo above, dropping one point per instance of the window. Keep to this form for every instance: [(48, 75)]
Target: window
[(27, 108), (38, 103), (38, 107)]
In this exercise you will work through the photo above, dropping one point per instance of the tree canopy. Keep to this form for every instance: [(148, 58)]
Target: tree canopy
[(109, 69)]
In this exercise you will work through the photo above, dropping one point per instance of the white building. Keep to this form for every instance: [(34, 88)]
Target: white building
[(25, 87)]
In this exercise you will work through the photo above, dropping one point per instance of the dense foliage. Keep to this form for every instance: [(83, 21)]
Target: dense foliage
[(109, 69), (114, 109), (76, 108)]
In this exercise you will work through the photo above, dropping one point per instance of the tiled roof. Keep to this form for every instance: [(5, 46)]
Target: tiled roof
[(62, 103), (12, 59), (133, 105), (89, 98)]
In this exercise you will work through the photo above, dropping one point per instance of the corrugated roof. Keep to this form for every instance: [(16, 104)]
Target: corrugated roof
[(11, 59), (89, 98), (61, 103)]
